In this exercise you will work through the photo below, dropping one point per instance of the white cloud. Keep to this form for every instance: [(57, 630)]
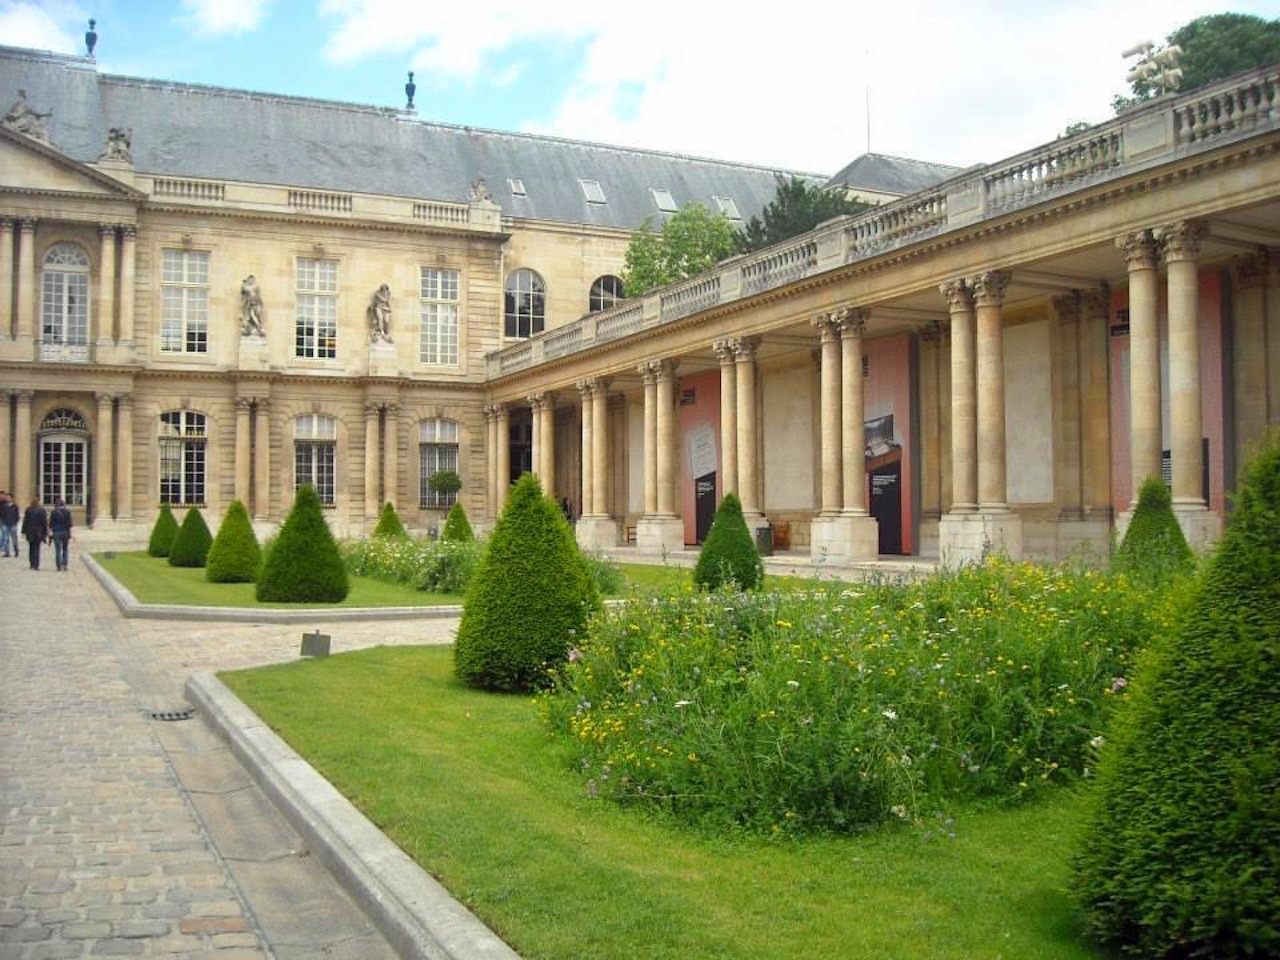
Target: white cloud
[(42, 26), (211, 18)]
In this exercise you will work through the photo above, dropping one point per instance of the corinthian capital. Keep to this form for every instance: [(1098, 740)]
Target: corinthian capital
[(1251, 271), (989, 288), (1181, 240), (1067, 307), (957, 294), (1139, 250), (723, 350)]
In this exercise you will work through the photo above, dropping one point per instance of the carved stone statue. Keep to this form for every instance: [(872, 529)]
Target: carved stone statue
[(380, 315), (480, 191), (119, 140), (22, 119), (251, 308)]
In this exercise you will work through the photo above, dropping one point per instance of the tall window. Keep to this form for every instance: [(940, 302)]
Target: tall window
[(316, 329), (63, 448), (437, 450), (315, 439), (605, 292), (64, 303), (439, 313), (184, 290), (182, 456), (526, 304)]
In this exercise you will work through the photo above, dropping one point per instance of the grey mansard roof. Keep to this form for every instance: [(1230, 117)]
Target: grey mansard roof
[(896, 175)]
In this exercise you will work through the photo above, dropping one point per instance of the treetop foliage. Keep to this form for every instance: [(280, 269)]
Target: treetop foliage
[(690, 242), (796, 207)]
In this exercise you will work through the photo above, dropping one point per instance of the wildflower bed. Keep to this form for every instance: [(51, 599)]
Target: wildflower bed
[(838, 708)]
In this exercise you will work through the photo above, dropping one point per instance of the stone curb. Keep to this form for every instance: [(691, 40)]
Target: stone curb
[(414, 912), (132, 609)]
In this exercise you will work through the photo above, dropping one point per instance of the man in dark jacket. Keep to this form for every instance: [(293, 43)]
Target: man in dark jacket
[(35, 527), (9, 517), (60, 531)]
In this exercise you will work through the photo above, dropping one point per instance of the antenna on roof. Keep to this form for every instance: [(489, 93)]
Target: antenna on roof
[(868, 99), (91, 38)]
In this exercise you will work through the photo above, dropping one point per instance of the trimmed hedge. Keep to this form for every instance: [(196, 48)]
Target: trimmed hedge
[(162, 532), (235, 556), (389, 524), (1154, 549), (1182, 854), (456, 526), (304, 564), (728, 554), (529, 600), (191, 545)]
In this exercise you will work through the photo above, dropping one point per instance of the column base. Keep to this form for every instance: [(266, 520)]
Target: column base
[(970, 537), (843, 540), (1088, 540), (596, 532), (1200, 525), (660, 534)]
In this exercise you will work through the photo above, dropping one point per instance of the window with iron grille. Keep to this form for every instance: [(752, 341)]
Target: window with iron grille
[(437, 450), (439, 315), (315, 441), (316, 325), (184, 301), (183, 439)]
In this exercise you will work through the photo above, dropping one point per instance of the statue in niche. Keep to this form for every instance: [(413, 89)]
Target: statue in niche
[(251, 308), (21, 118), (380, 315), (480, 191), (119, 140)]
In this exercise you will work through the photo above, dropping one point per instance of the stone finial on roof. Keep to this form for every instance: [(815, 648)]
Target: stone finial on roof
[(20, 118), (91, 37), (409, 89)]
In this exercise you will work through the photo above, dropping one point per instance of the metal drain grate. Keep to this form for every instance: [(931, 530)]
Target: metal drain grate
[(170, 715)]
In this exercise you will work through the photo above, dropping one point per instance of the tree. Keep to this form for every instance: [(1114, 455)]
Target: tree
[(235, 556), (796, 208), (456, 526), (446, 483), (1154, 549), (163, 532), (691, 241), (304, 565), (728, 554), (389, 524), (191, 545)]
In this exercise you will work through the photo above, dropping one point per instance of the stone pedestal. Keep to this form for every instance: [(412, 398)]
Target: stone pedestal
[(968, 537), (382, 359), (22, 348), (843, 540), (253, 353), (1201, 527), (656, 534), (596, 533)]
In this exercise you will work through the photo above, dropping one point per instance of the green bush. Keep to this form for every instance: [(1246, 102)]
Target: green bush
[(235, 556), (1154, 549), (437, 566), (191, 545), (389, 524), (529, 601), (1182, 854), (456, 526), (605, 574), (304, 564), (162, 533), (728, 554)]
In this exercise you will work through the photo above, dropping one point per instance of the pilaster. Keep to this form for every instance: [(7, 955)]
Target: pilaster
[(26, 303), (1252, 387), (24, 480), (1095, 392), (128, 266), (124, 456), (1067, 462), (372, 412), (104, 469), (244, 446), (104, 314), (390, 455), (261, 458), (6, 281)]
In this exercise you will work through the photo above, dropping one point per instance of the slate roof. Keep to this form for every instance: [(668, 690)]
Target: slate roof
[(185, 130), (896, 175)]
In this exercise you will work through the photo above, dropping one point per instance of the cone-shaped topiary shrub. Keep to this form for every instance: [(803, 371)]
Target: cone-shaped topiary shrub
[(191, 545), (234, 556), (728, 553), (162, 534), (304, 564), (389, 524), (1182, 854), (456, 526), (1154, 549), (529, 599)]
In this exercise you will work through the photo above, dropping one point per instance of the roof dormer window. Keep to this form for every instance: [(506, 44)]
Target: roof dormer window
[(517, 187), (666, 203), (592, 191)]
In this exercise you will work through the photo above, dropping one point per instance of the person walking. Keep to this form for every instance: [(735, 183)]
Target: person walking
[(60, 532), (35, 527), (9, 517)]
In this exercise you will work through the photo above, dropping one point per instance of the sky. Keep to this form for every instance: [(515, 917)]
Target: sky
[(805, 88)]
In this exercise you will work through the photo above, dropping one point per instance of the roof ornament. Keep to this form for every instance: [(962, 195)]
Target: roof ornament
[(409, 89), (119, 140), (20, 118), (480, 191), (91, 38)]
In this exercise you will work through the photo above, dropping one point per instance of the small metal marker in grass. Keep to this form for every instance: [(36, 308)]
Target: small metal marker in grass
[(315, 644)]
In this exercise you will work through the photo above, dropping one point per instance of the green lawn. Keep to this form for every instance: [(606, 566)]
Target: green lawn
[(474, 788)]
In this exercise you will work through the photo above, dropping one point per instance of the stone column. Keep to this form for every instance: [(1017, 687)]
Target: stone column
[(728, 417), (829, 326), (24, 480), (1249, 359), (6, 440), (1066, 313), (106, 307), (1095, 392), (491, 459), (667, 454), (596, 529), (600, 449), (931, 420), (649, 377), (587, 389), (660, 528), (128, 260), (261, 458), (104, 471), (853, 433), (244, 447), (748, 475), (1181, 245), (372, 412), (124, 456), (988, 297), (504, 455), (6, 279), (543, 406), (1145, 442), (390, 455), (26, 305), (964, 404), (535, 436)]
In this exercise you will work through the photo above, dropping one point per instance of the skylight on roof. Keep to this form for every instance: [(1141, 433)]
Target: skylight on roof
[(517, 188), (666, 203), (728, 208), (592, 191)]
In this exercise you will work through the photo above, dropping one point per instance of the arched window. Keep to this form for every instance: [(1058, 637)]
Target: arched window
[(437, 450), (64, 440), (182, 456), (315, 441), (605, 292), (526, 304), (64, 303)]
